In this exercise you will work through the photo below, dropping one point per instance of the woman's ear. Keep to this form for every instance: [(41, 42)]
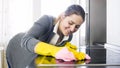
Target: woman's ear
[(62, 16)]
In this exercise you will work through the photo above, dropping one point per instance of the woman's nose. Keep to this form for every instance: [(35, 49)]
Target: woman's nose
[(73, 28)]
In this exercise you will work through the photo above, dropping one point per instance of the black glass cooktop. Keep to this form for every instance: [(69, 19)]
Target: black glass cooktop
[(99, 57)]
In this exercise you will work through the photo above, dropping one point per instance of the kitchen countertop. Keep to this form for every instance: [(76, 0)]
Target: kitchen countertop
[(98, 55)]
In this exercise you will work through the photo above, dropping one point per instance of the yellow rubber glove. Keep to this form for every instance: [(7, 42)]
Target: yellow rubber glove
[(57, 52), (68, 44), (72, 48), (46, 49)]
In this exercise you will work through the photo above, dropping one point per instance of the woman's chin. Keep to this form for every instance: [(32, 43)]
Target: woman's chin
[(66, 34)]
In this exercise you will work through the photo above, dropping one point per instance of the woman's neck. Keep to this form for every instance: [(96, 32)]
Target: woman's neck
[(61, 36)]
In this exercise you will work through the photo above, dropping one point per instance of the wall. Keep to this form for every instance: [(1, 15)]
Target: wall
[(113, 25), (113, 22), (1, 21), (36, 10), (113, 31), (15, 16)]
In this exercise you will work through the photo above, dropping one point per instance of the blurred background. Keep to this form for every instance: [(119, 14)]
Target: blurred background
[(101, 26), (19, 15)]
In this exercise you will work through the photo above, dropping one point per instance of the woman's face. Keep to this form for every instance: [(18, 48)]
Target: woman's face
[(70, 24)]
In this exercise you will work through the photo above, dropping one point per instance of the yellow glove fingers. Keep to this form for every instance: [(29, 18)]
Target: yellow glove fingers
[(68, 44), (78, 55), (81, 56)]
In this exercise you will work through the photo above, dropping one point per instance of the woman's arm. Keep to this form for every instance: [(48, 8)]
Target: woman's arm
[(30, 39)]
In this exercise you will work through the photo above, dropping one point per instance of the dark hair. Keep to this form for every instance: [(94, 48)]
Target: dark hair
[(75, 9)]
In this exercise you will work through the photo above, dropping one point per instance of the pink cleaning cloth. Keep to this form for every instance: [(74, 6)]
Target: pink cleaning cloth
[(65, 55), (87, 56)]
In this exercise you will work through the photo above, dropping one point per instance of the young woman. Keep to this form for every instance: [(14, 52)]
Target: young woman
[(48, 36)]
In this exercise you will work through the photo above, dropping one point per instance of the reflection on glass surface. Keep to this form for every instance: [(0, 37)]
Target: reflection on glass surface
[(98, 54), (51, 60), (99, 58)]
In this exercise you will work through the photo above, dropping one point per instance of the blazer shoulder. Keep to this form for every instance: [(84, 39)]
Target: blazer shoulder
[(45, 20)]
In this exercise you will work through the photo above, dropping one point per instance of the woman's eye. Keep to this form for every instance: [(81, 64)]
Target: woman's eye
[(70, 23), (77, 27)]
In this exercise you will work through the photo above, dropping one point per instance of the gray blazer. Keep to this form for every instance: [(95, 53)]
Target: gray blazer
[(20, 50)]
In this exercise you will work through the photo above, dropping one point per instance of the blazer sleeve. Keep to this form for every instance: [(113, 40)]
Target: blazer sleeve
[(30, 39)]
